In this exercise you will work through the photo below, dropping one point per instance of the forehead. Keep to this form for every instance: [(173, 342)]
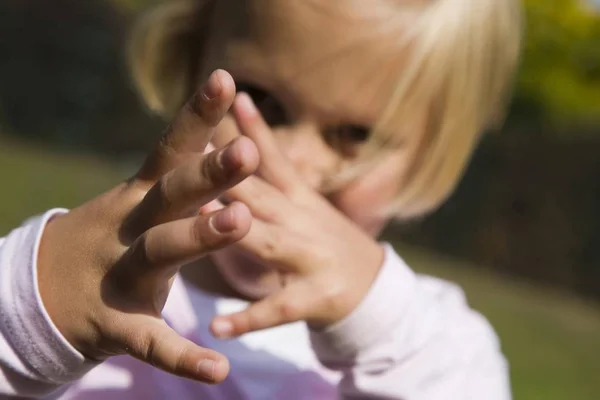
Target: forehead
[(335, 57)]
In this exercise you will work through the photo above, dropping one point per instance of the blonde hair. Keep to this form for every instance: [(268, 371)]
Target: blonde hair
[(163, 53), (463, 55)]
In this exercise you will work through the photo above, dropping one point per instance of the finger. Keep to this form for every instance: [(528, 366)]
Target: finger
[(211, 207), (289, 305), (282, 248), (163, 248), (185, 189), (192, 128), (274, 167), (264, 200), (158, 345)]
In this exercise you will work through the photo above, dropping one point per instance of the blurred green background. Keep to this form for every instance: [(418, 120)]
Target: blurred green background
[(521, 234)]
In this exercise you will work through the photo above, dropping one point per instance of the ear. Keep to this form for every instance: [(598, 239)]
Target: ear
[(164, 50)]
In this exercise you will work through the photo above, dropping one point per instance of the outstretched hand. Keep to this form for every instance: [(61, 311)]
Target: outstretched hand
[(105, 268)]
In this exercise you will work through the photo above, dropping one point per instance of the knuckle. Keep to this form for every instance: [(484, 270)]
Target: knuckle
[(211, 173), (297, 194), (150, 345), (260, 197), (198, 232), (288, 311), (140, 343), (144, 251), (272, 215), (178, 366), (139, 254), (166, 142), (102, 333), (270, 246), (163, 192)]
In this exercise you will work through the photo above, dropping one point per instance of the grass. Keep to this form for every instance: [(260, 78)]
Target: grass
[(552, 339), (35, 180)]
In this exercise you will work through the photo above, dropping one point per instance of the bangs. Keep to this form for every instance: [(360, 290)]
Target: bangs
[(458, 77)]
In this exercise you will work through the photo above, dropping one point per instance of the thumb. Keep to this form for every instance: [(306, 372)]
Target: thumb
[(157, 344)]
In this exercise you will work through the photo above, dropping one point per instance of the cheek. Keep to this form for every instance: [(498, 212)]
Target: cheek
[(364, 200), (363, 208)]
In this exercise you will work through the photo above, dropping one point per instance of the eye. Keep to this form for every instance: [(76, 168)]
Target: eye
[(270, 107), (353, 133), (347, 139)]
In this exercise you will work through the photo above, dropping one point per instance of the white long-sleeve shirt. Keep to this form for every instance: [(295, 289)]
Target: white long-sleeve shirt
[(411, 338)]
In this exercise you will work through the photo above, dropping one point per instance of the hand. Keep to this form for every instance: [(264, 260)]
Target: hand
[(329, 261), (105, 268)]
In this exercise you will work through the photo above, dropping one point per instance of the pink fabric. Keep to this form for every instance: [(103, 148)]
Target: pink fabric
[(412, 337)]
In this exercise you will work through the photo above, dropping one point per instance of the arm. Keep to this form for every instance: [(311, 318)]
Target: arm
[(35, 359), (414, 338)]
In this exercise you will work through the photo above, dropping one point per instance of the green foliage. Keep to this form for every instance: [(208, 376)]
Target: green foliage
[(67, 83), (560, 74)]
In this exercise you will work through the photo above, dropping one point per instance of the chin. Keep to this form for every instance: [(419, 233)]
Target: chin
[(246, 276)]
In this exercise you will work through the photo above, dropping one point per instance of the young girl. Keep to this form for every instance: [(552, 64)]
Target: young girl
[(349, 112)]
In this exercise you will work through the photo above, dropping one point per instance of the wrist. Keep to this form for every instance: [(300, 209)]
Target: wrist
[(344, 298), (34, 334), (58, 290), (381, 309), (47, 273)]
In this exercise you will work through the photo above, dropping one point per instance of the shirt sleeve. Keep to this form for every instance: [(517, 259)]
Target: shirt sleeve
[(35, 360), (414, 337)]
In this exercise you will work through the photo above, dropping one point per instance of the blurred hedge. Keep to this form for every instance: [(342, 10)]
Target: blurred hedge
[(63, 78), (69, 53)]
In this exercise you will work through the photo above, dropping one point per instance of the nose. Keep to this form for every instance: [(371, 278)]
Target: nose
[(305, 147)]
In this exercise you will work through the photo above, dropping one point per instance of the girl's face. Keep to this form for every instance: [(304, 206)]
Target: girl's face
[(321, 72)]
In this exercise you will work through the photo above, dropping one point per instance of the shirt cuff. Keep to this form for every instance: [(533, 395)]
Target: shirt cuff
[(379, 312), (35, 337)]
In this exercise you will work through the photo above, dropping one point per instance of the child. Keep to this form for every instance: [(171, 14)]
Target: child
[(349, 113)]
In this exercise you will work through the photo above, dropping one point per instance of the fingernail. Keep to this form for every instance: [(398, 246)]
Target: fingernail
[(222, 329), (206, 368), (223, 221), (212, 88)]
